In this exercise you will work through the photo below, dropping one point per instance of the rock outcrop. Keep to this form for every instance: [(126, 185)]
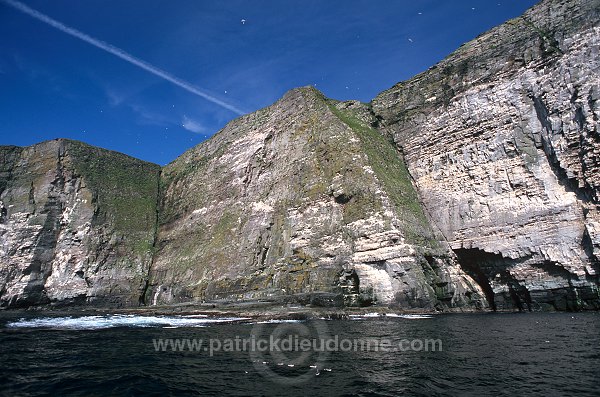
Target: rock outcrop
[(502, 139), (475, 184), (77, 225)]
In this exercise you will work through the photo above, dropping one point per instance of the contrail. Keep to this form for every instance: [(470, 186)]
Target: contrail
[(119, 53)]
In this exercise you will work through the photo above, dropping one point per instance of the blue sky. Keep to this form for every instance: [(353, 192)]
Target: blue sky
[(245, 54)]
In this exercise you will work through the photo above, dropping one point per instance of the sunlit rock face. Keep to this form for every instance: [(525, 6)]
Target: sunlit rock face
[(301, 201), (473, 185), (503, 142), (77, 225)]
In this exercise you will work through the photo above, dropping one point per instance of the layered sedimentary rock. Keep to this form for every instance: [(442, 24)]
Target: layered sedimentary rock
[(300, 200), (77, 224), (475, 184), (503, 141)]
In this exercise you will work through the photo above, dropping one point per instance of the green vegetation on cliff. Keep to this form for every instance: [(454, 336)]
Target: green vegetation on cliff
[(389, 167), (125, 190)]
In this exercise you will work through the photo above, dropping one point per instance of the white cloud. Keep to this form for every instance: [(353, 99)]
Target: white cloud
[(148, 117), (192, 125), (115, 98)]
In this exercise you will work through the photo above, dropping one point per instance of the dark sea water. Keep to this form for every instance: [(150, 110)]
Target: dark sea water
[(483, 354)]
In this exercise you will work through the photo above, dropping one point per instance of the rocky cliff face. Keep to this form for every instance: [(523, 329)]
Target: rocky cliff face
[(473, 185), (77, 224), (503, 141), (300, 200)]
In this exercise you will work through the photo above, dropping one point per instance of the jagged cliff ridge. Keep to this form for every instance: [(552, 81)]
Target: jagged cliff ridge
[(312, 200), (503, 141)]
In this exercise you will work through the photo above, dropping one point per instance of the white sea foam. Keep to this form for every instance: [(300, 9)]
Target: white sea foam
[(389, 315), (279, 321), (410, 316), (118, 320), (371, 315)]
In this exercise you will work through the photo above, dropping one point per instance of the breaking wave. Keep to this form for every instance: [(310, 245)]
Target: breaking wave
[(389, 315), (119, 320)]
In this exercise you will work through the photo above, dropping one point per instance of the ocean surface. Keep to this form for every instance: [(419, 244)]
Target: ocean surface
[(70, 354)]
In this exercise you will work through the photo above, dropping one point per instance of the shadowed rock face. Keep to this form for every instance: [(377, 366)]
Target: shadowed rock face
[(313, 201), (503, 141), (77, 225)]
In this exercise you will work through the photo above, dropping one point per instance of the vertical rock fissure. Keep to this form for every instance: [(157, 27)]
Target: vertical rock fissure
[(41, 263), (142, 301), (585, 193), (588, 248), (3, 185)]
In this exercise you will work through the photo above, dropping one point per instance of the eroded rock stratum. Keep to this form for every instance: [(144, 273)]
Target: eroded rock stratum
[(503, 141), (473, 185)]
